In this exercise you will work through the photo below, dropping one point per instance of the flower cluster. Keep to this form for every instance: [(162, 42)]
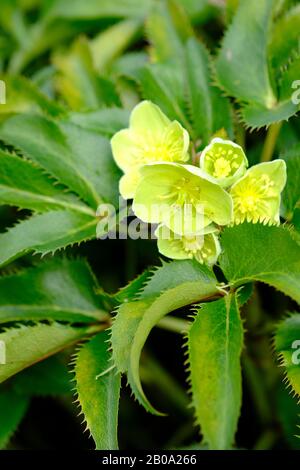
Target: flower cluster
[(191, 203)]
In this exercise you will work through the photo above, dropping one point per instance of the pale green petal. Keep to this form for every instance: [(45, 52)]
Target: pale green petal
[(256, 196), (147, 118), (203, 248), (224, 160), (128, 184), (166, 188), (177, 141), (125, 150)]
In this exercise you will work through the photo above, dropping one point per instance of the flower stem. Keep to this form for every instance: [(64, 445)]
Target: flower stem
[(270, 142)]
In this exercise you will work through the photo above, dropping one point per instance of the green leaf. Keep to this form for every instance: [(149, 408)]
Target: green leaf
[(105, 121), (255, 252), (24, 96), (59, 289), (167, 29), (256, 116), (24, 185), (46, 233), (98, 395), (78, 82), (284, 39), (12, 409), (164, 84), (49, 377), (78, 158), (138, 318), (215, 342), (242, 65), (287, 344), (291, 193), (110, 44), (26, 345), (94, 9)]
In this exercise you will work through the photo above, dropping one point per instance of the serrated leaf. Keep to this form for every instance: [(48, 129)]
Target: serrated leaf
[(285, 39), (291, 193), (45, 233), (256, 116), (287, 344), (12, 409), (242, 65), (24, 185), (255, 252), (106, 121), (59, 289), (138, 318), (76, 157), (98, 395), (26, 345), (214, 345), (49, 377)]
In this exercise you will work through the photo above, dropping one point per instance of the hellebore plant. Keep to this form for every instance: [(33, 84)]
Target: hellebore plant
[(192, 202), (202, 141)]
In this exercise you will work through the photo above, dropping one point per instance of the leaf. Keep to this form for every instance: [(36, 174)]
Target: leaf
[(110, 44), (215, 342), (105, 121), (209, 110), (24, 185), (78, 82), (287, 344), (241, 65), (255, 252), (99, 9), (49, 377), (291, 193), (78, 158), (138, 318), (163, 84), (256, 116), (26, 345), (98, 395), (167, 28), (59, 289), (284, 39), (46, 233), (12, 409), (24, 96)]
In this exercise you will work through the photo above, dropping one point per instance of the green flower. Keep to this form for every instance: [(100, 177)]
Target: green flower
[(151, 137), (203, 248), (256, 196), (224, 160), (181, 197)]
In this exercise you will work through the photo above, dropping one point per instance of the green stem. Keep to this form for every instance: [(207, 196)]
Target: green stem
[(270, 142), (176, 325), (266, 441)]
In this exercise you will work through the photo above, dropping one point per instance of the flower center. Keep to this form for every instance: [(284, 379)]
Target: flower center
[(222, 168)]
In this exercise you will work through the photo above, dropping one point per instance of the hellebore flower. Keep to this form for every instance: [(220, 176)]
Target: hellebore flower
[(256, 196), (224, 160), (181, 197), (204, 248), (151, 137)]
